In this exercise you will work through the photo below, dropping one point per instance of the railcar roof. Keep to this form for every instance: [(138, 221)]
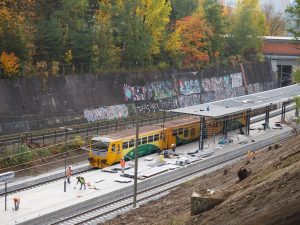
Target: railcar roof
[(241, 104), (147, 129)]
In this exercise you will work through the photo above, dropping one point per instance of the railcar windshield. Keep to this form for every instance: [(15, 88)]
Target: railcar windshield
[(99, 147)]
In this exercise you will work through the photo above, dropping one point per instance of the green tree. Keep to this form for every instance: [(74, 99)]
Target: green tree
[(183, 8), (247, 27), (213, 14), (62, 26), (294, 13), (296, 76)]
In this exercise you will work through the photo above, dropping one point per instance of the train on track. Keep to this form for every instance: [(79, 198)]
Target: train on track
[(109, 149)]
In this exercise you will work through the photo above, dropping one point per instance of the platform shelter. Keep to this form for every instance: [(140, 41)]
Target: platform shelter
[(224, 109)]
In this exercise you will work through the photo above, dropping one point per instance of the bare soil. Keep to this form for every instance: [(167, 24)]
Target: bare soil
[(270, 195)]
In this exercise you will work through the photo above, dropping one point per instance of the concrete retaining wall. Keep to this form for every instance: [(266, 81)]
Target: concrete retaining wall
[(69, 100)]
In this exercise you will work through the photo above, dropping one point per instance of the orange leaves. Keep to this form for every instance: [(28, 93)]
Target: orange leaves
[(9, 63), (194, 34)]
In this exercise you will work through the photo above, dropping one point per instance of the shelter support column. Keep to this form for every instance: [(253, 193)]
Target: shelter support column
[(283, 110), (225, 127), (248, 116), (267, 117), (202, 133)]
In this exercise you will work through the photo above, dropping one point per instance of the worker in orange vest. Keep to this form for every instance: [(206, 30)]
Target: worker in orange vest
[(16, 200), (69, 173), (122, 164)]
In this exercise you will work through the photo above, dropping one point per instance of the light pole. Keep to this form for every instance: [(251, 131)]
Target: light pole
[(65, 181), (136, 158)]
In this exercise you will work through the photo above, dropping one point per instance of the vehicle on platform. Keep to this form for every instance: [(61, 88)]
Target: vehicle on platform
[(108, 149)]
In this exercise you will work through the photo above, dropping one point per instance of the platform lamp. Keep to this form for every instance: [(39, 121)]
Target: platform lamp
[(136, 157)]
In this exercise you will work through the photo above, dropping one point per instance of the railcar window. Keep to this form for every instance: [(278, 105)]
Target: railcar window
[(193, 132), (180, 131), (150, 139), (125, 145), (99, 145), (139, 141), (113, 147), (144, 140), (131, 143), (174, 133), (186, 132), (156, 137)]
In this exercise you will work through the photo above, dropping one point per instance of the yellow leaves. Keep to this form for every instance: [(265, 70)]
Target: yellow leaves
[(9, 63), (174, 43), (155, 15)]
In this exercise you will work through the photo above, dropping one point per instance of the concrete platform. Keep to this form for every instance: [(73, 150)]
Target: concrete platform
[(51, 197)]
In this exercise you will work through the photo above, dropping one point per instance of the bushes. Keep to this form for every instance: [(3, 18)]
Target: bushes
[(21, 154)]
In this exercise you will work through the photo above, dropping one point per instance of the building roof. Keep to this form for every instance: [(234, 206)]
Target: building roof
[(243, 103), (278, 48)]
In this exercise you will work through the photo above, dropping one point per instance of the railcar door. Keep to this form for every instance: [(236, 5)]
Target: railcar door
[(115, 153)]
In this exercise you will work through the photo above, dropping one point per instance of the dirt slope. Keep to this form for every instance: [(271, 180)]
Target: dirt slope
[(270, 195)]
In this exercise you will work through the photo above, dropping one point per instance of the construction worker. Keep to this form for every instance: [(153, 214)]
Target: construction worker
[(69, 173), (16, 200), (122, 164), (81, 181), (173, 146)]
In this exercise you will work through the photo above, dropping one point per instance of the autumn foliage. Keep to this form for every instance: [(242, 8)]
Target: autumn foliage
[(194, 33), (9, 63)]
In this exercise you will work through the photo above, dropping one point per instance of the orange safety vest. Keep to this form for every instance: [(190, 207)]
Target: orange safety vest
[(69, 172), (122, 163)]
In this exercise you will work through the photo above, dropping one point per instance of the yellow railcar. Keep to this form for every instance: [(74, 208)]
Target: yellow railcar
[(108, 149)]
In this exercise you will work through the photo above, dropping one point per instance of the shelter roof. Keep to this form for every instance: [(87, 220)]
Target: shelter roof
[(240, 104)]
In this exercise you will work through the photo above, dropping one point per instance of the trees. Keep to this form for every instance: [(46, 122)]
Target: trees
[(15, 28), (247, 27), (274, 21), (194, 34), (294, 12), (9, 63), (183, 8), (213, 14), (61, 27)]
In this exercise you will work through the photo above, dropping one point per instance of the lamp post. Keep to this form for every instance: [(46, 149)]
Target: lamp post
[(65, 181), (136, 158)]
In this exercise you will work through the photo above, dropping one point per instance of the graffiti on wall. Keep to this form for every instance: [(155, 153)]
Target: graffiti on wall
[(152, 91), (236, 80), (106, 113), (158, 105), (190, 100), (189, 87), (258, 87), (218, 88), (221, 83)]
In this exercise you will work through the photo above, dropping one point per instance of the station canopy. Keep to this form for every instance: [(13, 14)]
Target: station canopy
[(240, 104)]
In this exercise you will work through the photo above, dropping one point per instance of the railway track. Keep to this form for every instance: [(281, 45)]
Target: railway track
[(61, 135)]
